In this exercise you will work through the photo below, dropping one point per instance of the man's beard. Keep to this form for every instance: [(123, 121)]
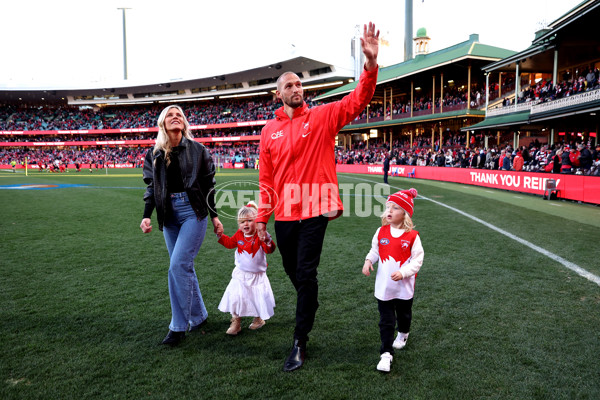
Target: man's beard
[(295, 103)]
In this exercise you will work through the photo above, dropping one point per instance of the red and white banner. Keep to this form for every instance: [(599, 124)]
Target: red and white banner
[(128, 143), (572, 187), (133, 130), (72, 166)]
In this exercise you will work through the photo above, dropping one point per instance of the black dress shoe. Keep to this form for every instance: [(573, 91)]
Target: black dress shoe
[(173, 338), (296, 358), (200, 325)]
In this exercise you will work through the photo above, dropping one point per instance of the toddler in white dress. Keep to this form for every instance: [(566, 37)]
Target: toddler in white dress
[(249, 292)]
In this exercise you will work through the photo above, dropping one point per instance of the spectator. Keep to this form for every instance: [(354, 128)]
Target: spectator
[(556, 162), (506, 162), (565, 161), (440, 160), (386, 167), (518, 162), (585, 158)]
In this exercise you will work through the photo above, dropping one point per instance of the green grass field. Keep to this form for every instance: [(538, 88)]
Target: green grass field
[(84, 301)]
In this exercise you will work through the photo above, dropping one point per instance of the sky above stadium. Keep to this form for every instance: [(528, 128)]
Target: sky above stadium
[(64, 43)]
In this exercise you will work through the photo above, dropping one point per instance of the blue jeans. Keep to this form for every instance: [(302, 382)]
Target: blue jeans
[(184, 234)]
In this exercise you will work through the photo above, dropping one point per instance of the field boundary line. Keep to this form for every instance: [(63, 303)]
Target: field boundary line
[(567, 264)]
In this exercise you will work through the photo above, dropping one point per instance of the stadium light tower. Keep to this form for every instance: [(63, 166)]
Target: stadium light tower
[(408, 29), (124, 42)]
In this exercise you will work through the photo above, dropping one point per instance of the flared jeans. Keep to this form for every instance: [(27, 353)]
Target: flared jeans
[(184, 235)]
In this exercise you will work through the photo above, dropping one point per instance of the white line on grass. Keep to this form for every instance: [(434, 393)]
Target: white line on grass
[(573, 267)]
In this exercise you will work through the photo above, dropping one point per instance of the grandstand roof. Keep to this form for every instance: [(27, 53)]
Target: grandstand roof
[(571, 16), (574, 36), (254, 80), (412, 120), (469, 49), (500, 121), (577, 36)]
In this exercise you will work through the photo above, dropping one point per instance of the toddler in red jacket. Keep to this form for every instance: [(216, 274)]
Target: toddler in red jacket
[(249, 292)]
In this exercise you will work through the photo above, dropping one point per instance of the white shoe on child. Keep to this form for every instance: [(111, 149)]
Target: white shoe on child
[(400, 341), (385, 362)]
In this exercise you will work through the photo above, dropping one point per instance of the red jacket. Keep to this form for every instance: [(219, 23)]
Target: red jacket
[(518, 163), (297, 161)]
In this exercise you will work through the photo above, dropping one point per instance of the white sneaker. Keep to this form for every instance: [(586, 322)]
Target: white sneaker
[(385, 362), (400, 341)]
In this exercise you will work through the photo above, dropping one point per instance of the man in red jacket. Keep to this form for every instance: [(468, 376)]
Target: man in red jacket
[(298, 181)]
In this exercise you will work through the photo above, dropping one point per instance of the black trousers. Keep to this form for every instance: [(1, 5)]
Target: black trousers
[(393, 312), (300, 244)]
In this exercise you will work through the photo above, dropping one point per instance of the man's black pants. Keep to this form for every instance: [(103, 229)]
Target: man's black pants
[(300, 244)]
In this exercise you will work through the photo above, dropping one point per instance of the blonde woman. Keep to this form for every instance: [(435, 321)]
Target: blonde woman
[(180, 174)]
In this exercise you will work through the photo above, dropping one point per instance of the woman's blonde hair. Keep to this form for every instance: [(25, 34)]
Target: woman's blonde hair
[(407, 224), (249, 211), (162, 139)]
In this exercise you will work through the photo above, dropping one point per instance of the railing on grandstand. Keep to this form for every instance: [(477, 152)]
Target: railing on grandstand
[(585, 97), (512, 109)]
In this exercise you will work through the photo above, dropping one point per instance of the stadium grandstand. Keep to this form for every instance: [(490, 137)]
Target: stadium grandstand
[(463, 106), (226, 113)]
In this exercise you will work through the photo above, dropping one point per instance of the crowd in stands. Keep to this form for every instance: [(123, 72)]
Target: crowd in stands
[(132, 136), (454, 98), (48, 158), (52, 159), (508, 85), (578, 158), (545, 90), (454, 152), (573, 158), (127, 117), (71, 118)]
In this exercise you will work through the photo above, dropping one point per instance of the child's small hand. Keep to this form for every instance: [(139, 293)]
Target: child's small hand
[(367, 268), (397, 276), (267, 238)]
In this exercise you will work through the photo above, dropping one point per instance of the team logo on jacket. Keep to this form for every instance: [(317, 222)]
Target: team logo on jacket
[(405, 244), (241, 242), (384, 241), (305, 127), (277, 135)]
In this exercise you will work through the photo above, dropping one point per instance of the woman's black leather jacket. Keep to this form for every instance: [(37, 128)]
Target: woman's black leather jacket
[(198, 173)]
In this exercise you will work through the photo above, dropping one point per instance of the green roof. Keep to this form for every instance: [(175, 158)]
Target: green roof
[(421, 32), (419, 118), (468, 49), (500, 120)]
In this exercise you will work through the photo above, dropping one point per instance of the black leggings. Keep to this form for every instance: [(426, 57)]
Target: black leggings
[(393, 312)]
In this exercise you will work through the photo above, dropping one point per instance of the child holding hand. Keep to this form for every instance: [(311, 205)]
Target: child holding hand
[(397, 248), (249, 292)]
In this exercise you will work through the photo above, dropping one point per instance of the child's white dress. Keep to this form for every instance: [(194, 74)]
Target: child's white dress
[(249, 292)]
